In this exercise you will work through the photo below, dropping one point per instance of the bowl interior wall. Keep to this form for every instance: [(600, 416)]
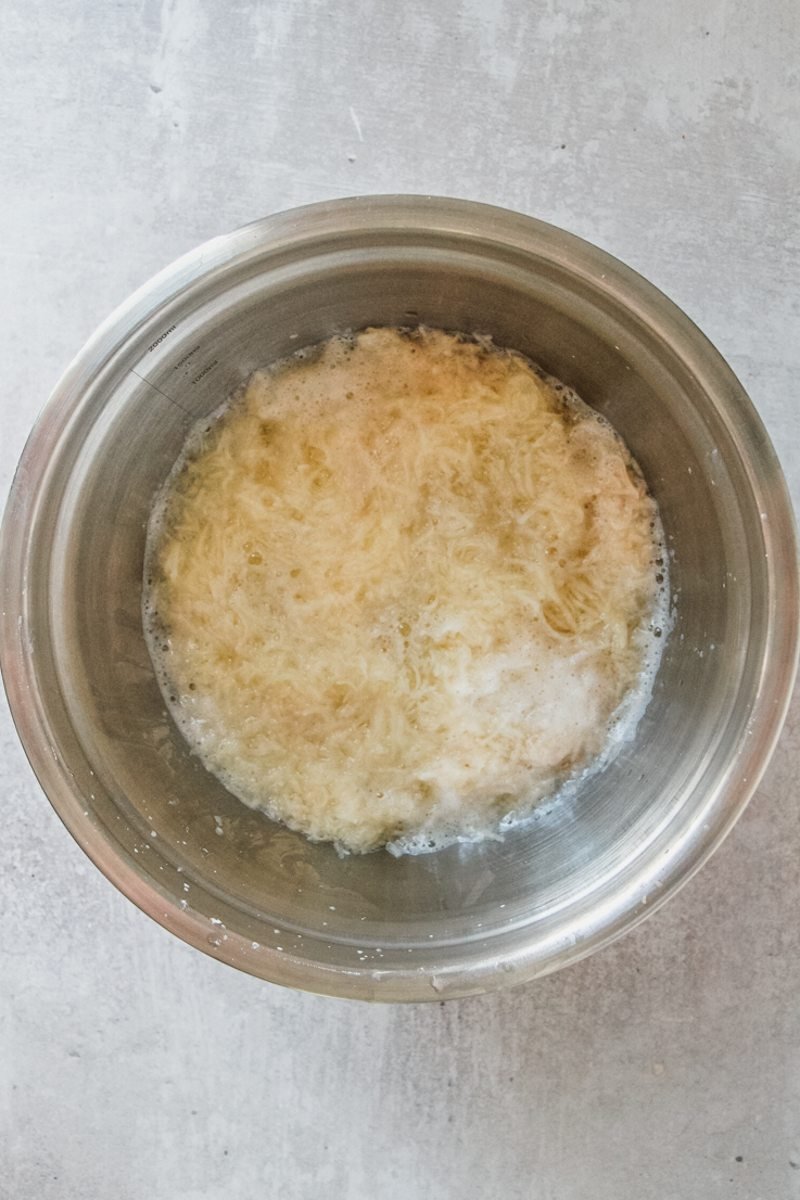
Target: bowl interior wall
[(155, 798)]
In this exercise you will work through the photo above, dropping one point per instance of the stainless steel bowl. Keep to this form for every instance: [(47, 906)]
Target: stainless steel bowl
[(229, 881)]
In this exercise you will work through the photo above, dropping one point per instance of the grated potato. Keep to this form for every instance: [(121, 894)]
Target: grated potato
[(401, 588)]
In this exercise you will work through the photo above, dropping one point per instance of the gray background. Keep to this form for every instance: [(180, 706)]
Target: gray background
[(669, 1065)]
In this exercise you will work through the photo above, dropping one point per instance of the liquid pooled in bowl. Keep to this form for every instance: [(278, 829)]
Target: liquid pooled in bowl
[(402, 587)]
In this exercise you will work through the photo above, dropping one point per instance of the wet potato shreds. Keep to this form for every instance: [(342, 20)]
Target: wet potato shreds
[(404, 584)]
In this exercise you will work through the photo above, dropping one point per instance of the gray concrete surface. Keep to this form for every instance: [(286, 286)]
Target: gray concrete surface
[(668, 1066)]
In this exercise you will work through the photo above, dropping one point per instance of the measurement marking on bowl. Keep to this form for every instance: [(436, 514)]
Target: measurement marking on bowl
[(182, 362), (160, 392), (161, 338), (205, 370)]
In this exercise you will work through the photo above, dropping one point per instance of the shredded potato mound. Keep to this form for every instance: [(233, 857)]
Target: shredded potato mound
[(401, 588)]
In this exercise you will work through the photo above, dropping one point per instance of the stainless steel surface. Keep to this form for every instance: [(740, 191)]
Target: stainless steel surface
[(90, 713)]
